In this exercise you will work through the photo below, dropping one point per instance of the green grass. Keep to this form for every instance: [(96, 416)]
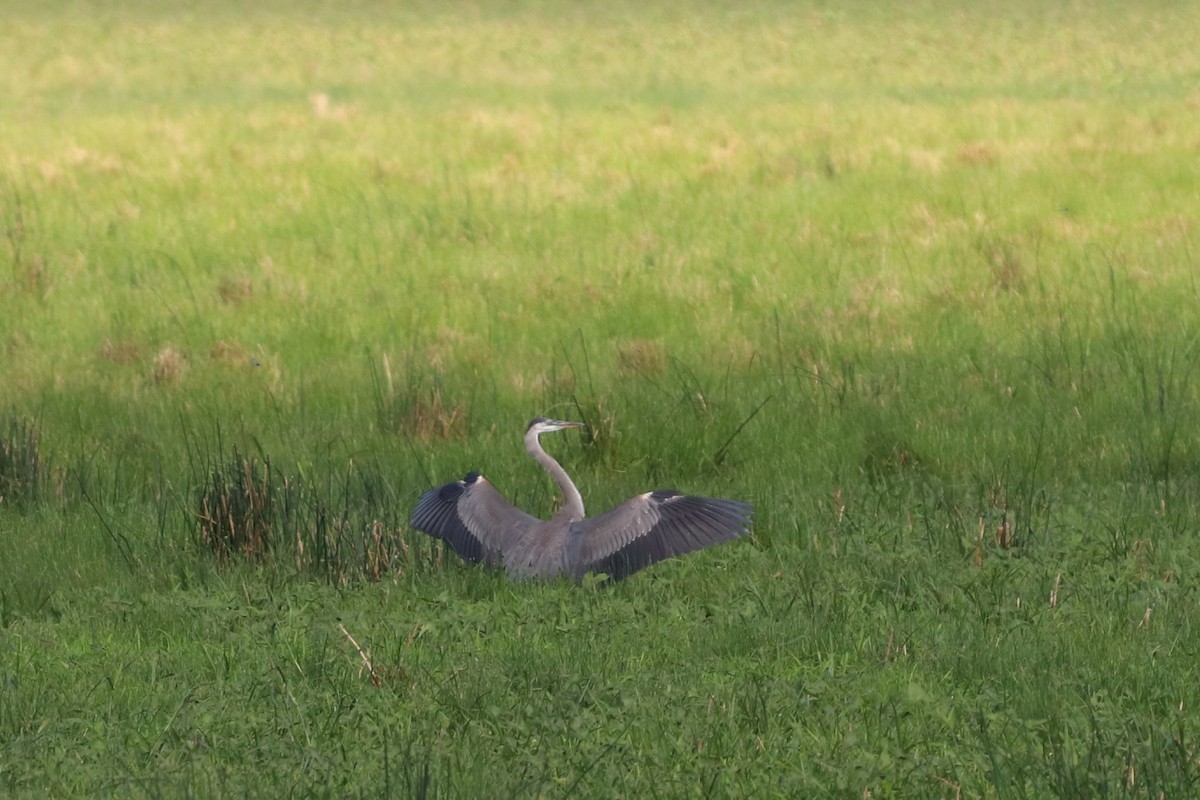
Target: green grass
[(919, 281)]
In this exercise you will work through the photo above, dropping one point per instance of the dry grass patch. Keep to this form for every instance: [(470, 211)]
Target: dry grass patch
[(417, 409), (227, 353), (976, 154), (644, 357), (429, 416), (600, 435), (1003, 257), (169, 366), (924, 160), (120, 351), (234, 291), (236, 509)]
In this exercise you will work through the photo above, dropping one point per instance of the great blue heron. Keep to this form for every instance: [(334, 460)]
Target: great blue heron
[(480, 525)]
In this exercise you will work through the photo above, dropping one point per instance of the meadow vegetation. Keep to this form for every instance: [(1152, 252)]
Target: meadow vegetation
[(918, 280)]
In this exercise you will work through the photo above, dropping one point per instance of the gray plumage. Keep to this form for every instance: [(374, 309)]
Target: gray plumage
[(480, 525)]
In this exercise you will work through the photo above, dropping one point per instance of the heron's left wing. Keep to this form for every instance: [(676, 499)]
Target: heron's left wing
[(652, 527)]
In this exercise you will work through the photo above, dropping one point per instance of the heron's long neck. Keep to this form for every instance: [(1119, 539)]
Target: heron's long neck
[(573, 505)]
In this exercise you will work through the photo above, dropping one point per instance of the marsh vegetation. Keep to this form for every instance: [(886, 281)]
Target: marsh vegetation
[(918, 280)]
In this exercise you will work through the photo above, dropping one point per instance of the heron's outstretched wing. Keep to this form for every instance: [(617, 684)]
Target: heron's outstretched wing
[(651, 527), (473, 518)]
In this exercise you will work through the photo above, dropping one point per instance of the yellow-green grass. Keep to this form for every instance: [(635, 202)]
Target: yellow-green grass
[(919, 281)]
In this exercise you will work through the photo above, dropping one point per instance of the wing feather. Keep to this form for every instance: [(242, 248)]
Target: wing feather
[(473, 518), (650, 528)]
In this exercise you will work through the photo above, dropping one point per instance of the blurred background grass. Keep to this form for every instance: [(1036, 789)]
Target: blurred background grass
[(919, 282)]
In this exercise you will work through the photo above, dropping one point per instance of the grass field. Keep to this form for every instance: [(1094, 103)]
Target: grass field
[(920, 281)]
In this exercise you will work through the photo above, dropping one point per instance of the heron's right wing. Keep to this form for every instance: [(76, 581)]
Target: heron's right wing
[(473, 518)]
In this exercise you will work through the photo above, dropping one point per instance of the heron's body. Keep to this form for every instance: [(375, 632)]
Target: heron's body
[(481, 525)]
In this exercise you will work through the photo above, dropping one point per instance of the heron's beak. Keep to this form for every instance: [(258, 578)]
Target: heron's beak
[(565, 424)]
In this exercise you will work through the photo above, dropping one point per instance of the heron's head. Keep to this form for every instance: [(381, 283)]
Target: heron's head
[(540, 425)]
